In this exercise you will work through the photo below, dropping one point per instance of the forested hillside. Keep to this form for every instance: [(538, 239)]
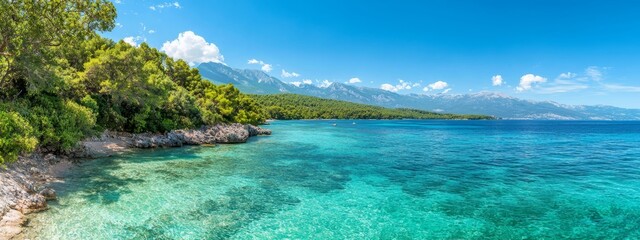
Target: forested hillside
[(293, 106), (60, 81)]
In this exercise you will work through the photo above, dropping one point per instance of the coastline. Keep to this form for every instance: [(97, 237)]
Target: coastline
[(25, 183)]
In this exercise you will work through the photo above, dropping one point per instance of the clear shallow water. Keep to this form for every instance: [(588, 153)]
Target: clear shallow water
[(372, 180)]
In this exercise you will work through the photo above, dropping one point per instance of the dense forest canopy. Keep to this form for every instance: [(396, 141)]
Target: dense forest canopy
[(293, 106), (60, 81)]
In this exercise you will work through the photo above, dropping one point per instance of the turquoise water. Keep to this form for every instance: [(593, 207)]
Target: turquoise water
[(370, 180)]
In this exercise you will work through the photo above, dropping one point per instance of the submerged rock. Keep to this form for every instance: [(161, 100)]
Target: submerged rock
[(48, 194), (11, 224)]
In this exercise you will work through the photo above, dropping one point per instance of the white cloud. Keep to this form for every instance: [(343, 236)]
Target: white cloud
[(562, 88), (565, 82), (446, 90), (592, 78), (402, 85), (325, 83), (165, 5), (354, 80), (119, 25), (265, 66), (152, 31), (193, 49), (388, 87), (496, 80), (567, 75), (131, 40), (438, 85), (527, 80), (303, 82), (286, 74), (621, 88), (594, 73)]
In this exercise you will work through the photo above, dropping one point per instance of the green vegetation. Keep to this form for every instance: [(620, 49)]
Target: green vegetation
[(15, 136), (60, 81), (292, 106)]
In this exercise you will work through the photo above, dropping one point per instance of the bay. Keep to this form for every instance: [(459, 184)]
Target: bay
[(365, 179)]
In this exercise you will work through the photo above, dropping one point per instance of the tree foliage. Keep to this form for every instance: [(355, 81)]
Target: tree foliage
[(15, 136), (34, 32), (292, 106)]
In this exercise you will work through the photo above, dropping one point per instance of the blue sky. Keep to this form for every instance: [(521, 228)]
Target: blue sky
[(573, 52)]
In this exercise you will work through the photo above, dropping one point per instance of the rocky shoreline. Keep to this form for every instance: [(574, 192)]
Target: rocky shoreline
[(24, 184)]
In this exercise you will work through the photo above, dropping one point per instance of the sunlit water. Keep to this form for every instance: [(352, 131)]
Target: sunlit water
[(369, 180)]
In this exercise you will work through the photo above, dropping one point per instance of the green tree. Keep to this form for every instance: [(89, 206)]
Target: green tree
[(33, 31)]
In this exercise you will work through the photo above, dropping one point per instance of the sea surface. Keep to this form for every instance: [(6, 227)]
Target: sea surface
[(365, 179)]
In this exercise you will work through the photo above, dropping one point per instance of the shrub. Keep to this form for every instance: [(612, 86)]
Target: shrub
[(59, 124), (16, 137)]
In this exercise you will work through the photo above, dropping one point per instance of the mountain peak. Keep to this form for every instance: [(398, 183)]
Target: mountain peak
[(489, 94), (211, 64)]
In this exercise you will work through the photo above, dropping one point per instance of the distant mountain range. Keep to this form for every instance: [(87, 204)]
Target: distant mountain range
[(487, 103)]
